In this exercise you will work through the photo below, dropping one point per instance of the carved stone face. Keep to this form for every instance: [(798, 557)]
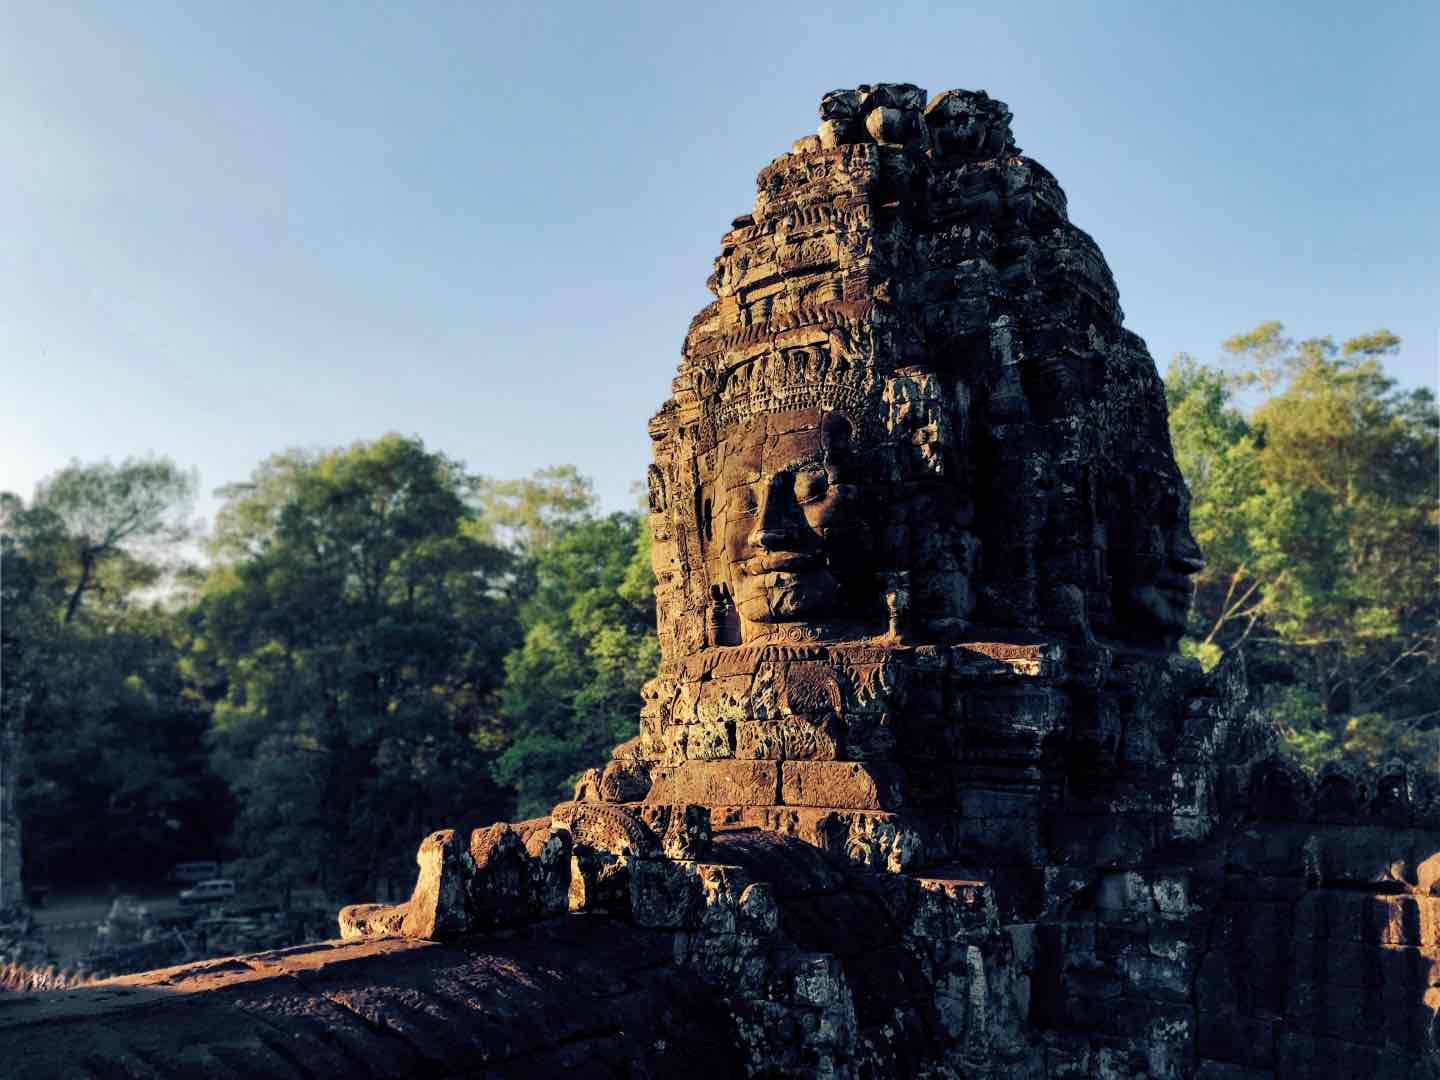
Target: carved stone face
[(1167, 558), (793, 530), (1056, 382)]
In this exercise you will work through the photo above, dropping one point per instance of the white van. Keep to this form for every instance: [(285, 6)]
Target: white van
[(190, 873), (208, 892)]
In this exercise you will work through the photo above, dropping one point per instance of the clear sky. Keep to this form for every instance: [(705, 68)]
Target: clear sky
[(231, 228)]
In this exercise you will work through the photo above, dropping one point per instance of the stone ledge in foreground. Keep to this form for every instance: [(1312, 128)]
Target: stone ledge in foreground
[(578, 996)]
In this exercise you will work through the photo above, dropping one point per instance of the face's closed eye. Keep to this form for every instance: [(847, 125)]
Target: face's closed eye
[(811, 485), (743, 501)]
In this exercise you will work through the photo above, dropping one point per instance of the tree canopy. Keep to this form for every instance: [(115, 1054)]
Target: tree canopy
[(572, 688), (382, 644), (352, 634), (1316, 509), (115, 773)]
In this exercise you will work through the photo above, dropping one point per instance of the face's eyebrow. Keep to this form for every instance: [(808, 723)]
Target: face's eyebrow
[(800, 461)]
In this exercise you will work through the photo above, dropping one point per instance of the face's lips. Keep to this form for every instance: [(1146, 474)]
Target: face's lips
[(1176, 587), (781, 562)]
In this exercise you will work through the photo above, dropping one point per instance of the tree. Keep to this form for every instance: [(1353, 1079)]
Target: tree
[(1317, 515), (351, 634), (1215, 449), (572, 689), (91, 682), (17, 616), (529, 513), (107, 517)]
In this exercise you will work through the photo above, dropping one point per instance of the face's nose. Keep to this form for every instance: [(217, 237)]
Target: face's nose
[(775, 524), (1185, 552)]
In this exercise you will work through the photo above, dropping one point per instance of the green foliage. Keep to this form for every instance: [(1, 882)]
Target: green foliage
[(115, 775), (528, 514), (1216, 452), (381, 645), (350, 635), (1317, 515), (572, 690), (1312, 736), (102, 526), (120, 779)]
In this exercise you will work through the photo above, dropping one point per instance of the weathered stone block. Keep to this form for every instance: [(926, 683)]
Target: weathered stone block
[(587, 787), (710, 740), (625, 779), (684, 830), (1009, 841), (718, 783), (439, 905), (870, 839), (498, 885), (1235, 1038), (548, 869), (870, 736), (1157, 977), (759, 740), (759, 914), (981, 659), (599, 882), (606, 827), (360, 921), (794, 867), (665, 893), (811, 737), (721, 888), (847, 785), (951, 909)]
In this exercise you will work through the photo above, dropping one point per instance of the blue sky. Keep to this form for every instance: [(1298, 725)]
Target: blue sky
[(234, 228)]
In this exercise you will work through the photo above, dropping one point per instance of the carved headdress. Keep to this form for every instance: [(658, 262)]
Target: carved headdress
[(818, 367)]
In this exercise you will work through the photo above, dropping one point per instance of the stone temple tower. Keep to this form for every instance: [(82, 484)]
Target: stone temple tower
[(922, 785)]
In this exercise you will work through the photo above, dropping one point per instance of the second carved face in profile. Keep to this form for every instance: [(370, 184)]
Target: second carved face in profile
[(792, 519), (1157, 584)]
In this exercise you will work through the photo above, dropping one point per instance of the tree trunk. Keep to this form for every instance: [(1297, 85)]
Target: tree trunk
[(12, 889), (87, 563)]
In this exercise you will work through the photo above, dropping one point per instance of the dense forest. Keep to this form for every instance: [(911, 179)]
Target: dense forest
[(372, 642)]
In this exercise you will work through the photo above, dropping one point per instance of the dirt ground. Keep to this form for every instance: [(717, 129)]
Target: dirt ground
[(92, 905), (70, 917)]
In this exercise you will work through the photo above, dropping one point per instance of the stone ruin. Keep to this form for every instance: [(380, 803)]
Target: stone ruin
[(922, 786)]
